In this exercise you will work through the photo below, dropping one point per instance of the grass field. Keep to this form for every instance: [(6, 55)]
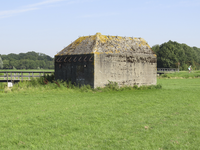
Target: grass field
[(61, 118), (182, 74)]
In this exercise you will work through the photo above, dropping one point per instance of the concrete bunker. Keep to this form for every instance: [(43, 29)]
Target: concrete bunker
[(98, 59)]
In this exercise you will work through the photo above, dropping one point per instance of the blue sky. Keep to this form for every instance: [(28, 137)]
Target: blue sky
[(47, 26)]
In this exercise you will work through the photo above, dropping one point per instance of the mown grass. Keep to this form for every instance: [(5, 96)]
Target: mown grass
[(68, 118), (182, 74)]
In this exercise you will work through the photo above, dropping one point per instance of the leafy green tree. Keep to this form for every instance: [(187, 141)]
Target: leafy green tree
[(170, 53), (1, 63), (166, 56), (29, 60), (155, 48), (6, 64)]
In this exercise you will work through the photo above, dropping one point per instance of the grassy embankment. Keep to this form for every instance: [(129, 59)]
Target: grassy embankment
[(49, 117)]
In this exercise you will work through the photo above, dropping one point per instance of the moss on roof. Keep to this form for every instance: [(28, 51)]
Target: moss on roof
[(99, 43)]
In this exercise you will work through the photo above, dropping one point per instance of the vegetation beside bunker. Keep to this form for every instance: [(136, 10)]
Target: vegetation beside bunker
[(47, 82)]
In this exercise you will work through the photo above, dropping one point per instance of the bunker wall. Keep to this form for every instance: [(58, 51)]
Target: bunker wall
[(125, 69), (78, 69)]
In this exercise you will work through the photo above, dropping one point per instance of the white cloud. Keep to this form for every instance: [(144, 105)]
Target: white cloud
[(80, 1), (31, 7), (44, 3), (10, 13), (99, 15), (175, 4)]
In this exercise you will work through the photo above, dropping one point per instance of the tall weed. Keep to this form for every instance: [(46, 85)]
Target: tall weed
[(86, 88), (112, 86), (2, 87)]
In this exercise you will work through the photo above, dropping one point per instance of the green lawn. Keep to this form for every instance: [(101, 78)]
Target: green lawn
[(182, 74), (61, 118)]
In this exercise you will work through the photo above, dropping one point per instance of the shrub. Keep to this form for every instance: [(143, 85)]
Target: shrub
[(135, 87), (158, 86), (86, 88), (165, 75), (112, 85)]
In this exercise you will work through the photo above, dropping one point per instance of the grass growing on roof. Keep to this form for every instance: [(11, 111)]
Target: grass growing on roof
[(67, 118)]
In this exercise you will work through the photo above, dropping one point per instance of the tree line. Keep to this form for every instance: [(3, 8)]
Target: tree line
[(29, 60), (171, 53)]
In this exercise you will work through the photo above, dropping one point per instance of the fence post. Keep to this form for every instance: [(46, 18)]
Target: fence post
[(11, 76), (22, 75)]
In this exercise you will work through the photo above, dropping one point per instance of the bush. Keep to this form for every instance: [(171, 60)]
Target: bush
[(86, 88), (165, 76), (158, 86), (135, 87), (112, 85)]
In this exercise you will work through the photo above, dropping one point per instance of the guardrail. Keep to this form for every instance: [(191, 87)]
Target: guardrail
[(164, 70), (16, 76), (168, 69)]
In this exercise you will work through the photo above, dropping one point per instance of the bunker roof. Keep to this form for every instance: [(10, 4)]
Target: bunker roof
[(98, 44)]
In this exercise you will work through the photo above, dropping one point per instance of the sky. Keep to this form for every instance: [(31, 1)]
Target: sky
[(47, 26)]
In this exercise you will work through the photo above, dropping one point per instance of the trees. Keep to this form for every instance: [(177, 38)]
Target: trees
[(30, 60), (1, 63), (170, 53), (155, 48), (6, 64)]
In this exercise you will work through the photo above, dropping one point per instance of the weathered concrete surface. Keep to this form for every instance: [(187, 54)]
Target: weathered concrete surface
[(125, 69), (96, 59), (106, 44)]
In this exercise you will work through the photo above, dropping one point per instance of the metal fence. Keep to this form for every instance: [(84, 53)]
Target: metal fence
[(167, 70), (9, 76)]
